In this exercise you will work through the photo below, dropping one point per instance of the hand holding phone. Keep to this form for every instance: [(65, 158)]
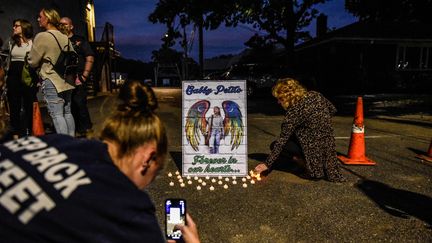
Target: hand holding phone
[(189, 232), (175, 214)]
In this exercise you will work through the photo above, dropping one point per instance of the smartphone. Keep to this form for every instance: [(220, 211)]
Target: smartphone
[(175, 213)]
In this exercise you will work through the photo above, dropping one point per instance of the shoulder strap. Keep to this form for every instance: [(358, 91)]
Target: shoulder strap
[(211, 123), (61, 49), (56, 40)]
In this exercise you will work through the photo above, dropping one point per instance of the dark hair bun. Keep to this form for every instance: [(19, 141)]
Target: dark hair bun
[(137, 96)]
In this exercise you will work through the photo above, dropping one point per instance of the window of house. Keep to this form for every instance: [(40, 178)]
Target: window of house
[(413, 58)]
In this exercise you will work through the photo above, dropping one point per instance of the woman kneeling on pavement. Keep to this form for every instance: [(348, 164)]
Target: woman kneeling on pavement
[(306, 132), (57, 188)]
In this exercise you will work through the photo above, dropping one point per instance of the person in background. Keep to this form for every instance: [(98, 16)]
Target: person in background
[(2, 74), (2, 71), (57, 188), (4, 112), (306, 132), (20, 95), (56, 91), (83, 124)]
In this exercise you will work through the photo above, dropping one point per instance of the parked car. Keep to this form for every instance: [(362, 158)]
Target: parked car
[(258, 77)]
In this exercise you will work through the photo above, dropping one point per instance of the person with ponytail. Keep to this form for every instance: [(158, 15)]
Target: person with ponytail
[(57, 188), (45, 51)]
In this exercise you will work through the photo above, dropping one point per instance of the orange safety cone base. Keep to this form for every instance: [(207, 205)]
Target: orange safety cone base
[(424, 157), (37, 129), (348, 161)]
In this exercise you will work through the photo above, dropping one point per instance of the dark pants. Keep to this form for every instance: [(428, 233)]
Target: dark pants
[(79, 109), (21, 98)]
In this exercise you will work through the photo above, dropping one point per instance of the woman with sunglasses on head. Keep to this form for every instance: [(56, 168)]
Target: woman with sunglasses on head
[(21, 95), (79, 190)]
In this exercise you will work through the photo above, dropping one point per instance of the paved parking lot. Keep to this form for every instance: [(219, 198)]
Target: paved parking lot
[(391, 201)]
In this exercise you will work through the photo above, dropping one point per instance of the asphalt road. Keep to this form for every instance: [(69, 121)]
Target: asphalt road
[(389, 202)]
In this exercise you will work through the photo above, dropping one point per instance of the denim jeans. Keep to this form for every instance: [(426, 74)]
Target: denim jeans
[(59, 108), (214, 143)]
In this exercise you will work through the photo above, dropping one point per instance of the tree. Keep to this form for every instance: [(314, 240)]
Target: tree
[(282, 20), (202, 14), (391, 10), (134, 68), (166, 55)]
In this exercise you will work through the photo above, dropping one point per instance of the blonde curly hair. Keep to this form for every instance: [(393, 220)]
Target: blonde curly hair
[(288, 91)]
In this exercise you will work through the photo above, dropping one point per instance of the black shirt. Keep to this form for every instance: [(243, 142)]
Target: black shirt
[(60, 189), (83, 49)]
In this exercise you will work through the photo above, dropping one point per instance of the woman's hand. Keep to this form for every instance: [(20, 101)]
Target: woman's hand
[(189, 231), (260, 168)]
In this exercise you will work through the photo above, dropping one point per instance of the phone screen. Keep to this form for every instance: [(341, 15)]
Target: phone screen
[(175, 213)]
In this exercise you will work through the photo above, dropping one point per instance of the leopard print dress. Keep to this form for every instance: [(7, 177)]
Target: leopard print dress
[(310, 121)]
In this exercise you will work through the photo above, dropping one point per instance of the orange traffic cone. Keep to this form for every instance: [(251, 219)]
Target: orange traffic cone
[(428, 156), (37, 129), (357, 148)]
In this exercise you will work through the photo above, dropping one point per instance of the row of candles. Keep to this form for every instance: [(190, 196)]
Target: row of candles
[(252, 177)]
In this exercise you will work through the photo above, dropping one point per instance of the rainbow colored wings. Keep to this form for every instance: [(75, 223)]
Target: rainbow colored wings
[(233, 123), (195, 122)]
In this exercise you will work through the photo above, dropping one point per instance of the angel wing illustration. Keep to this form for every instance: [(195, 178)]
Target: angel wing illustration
[(196, 122), (233, 123)]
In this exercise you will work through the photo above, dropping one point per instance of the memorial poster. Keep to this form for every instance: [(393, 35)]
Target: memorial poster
[(214, 129)]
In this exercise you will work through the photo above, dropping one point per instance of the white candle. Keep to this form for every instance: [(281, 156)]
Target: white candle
[(204, 183), (234, 177), (180, 180), (171, 183), (213, 180), (182, 185), (179, 177), (244, 179), (200, 180), (220, 182), (169, 174), (220, 177), (211, 188), (252, 182), (248, 177), (207, 177), (234, 182), (225, 186), (198, 188), (196, 178), (189, 182), (227, 179), (188, 177), (177, 173), (244, 185)]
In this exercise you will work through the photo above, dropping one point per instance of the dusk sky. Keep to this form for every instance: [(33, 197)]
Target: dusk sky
[(136, 37)]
